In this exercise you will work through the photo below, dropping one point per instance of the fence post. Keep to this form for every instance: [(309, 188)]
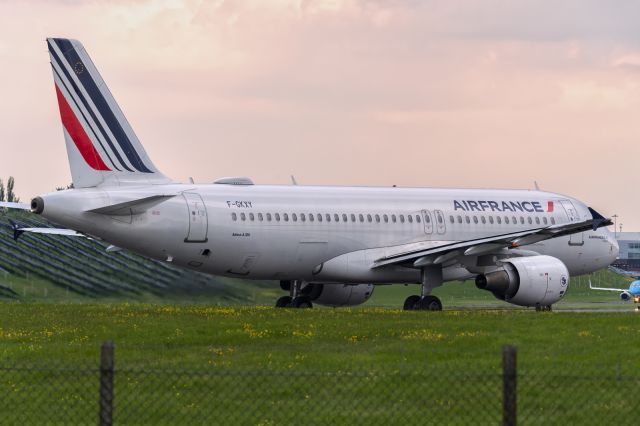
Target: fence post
[(106, 384), (509, 395)]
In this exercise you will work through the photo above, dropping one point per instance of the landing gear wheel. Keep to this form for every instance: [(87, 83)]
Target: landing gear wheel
[(301, 302), (285, 285), (429, 303), (411, 302), (283, 302), (543, 308)]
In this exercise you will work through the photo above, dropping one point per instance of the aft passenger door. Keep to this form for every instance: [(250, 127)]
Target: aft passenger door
[(198, 222)]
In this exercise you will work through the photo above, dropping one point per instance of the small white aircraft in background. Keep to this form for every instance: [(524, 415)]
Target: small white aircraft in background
[(327, 245)]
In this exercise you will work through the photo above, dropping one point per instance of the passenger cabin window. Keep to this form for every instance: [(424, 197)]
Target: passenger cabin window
[(328, 216), (311, 217), (410, 218), (467, 219), (537, 220), (459, 219), (260, 217), (285, 216), (294, 217), (243, 216), (234, 216), (506, 220), (377, 218), (393, 218), (553, 220), (336, 217), (544, 220), (521, 220), (277, 217), (303, 217), (344, 217), (483, 219), (269, 217), (491, 220), (386, 218), (475, 220), (529, 220), (499, 220), (361, 217), (353, 217), (451, 219), (418, 218), (319, 217), (369, 218), (251, 216), (401, 218)]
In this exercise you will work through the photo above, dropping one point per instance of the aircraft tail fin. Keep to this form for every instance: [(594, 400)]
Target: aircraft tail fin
[(101, 145)]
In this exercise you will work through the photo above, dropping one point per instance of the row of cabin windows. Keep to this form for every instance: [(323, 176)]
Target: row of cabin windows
[(326, 217), (386, 218), (507, 220)]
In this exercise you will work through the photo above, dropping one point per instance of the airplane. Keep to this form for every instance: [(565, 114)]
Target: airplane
[(326, 245), (631, 293)]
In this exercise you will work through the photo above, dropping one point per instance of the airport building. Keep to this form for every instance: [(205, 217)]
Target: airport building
[(629, 257)]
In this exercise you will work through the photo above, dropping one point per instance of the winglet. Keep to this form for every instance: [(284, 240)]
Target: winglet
[(598, 220), (17, 232)]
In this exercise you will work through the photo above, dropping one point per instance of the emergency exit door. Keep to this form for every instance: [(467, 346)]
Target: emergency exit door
[(198, 222)]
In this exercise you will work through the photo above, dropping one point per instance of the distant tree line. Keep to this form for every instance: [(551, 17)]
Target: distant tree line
[(62, 188), (6, 193)]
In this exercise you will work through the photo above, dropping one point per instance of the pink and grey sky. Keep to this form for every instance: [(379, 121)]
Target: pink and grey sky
[(491, 93)]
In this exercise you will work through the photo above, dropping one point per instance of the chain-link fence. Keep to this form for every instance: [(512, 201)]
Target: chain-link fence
[(104, 394)]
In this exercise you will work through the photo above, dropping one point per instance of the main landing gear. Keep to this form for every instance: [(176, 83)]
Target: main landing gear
[(431, 278), (296, 298)]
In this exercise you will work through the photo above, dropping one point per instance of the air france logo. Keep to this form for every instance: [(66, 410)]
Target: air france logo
[(502, 206)]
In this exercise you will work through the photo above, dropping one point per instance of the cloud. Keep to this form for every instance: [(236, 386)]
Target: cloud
[(463, 93)]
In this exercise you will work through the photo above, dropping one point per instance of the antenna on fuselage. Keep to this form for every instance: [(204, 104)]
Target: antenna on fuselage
[(293, 180), (535, 184)]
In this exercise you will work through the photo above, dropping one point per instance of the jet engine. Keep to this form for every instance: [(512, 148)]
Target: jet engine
[(527, 281), (625, 295), (336, 295)]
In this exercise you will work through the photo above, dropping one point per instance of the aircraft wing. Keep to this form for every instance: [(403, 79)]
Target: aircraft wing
[(417, 257), (19, 206), (607, 289)]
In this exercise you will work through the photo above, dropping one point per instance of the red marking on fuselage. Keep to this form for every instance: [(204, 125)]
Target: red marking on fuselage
[(550, 206), (78, 135)]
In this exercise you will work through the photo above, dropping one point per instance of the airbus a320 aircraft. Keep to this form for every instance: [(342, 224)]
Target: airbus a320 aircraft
[(328, 245)]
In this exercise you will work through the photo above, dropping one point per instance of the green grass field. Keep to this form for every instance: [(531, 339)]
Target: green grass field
[(263, 364)]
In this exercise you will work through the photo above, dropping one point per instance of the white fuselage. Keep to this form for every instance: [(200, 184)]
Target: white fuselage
[(323, 234)]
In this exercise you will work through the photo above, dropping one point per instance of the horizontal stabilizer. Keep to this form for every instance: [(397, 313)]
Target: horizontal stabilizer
[(137, 206), (19, 206), (19, 230)]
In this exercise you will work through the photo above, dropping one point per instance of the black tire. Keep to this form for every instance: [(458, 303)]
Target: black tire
[(429, 303), (410, 303), (283, 302), (301, 302), (285, 285)]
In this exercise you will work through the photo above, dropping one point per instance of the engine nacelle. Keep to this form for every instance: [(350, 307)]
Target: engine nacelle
[(527, 281), (336, 295), (625, 295)]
